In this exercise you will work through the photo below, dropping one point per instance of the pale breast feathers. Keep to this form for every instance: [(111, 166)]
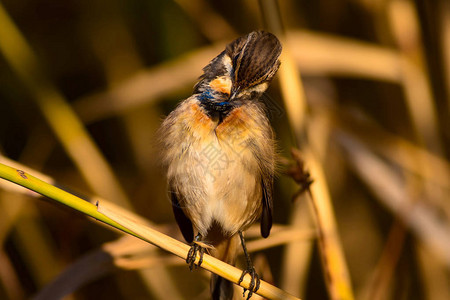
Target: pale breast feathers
[(209, 162)]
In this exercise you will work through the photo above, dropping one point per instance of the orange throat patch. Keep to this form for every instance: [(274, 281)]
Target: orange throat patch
[(221, 84)]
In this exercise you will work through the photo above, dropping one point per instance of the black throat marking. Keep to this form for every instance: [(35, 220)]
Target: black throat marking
[(214, 109)]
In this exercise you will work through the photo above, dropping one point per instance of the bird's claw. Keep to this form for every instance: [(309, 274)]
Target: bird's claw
[(255, 281), (192, 255)]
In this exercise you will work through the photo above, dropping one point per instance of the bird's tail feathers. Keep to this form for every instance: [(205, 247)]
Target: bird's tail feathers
[(222, 289)]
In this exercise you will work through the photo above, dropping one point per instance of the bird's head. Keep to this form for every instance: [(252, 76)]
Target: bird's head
[(243, 70)]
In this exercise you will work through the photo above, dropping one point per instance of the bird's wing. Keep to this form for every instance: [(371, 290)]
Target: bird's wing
[(183, 221), (266, 216)]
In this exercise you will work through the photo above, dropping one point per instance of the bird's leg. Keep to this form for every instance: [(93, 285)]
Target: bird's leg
[(192, 254), (255, 280)]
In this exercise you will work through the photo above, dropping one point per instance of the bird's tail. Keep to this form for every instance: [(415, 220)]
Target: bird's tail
[(222, 289)]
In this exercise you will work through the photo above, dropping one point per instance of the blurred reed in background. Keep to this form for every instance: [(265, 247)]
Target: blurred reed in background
[(363, 93)]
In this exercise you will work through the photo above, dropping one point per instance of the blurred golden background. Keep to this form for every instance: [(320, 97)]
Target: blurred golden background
[(363, 92)]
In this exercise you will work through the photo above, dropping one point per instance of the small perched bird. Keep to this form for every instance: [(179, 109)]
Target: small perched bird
[(219, 153)]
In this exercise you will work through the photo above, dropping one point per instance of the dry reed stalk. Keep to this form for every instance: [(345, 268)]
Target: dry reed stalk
[(332, 255), (69, 129), (434, 275), (416, 86), (8, 276), (63, 121), (402, 17), (396, 149), (24, 224), (146, 86), (180, 249), (390, 189), (90, 267), (211, 24), (333, 260), (104, 37), (445, 38), (296, 255), (129, 253), (124, 221), (348, 58), (155, 281)]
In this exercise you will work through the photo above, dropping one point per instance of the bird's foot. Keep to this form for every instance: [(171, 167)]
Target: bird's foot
[(254, 281), (192, 254)]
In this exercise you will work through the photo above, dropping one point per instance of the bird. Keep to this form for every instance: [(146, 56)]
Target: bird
[(219, 153)]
